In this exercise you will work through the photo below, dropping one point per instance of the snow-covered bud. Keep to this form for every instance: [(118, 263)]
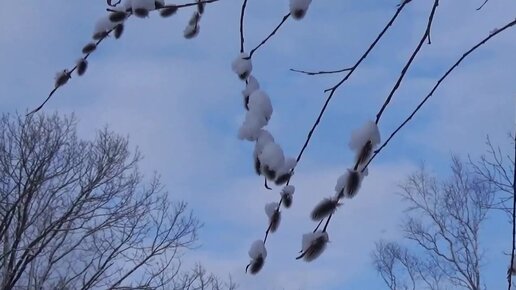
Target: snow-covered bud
[(242, 66), (252, 125), (141, 8), (313, 244), (168, 11), (119, 29), (298, 8), (286, 171), (82, 65), (287, 195), (324, 208), (257, 253), (272, 211), (251, 86), (89, 48), (191, 31), (360, 136), (348, 184), (61, 78), (260, 102), (271, 160), (102, 26)]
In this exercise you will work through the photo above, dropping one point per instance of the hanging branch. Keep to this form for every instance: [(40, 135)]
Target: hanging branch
[(68, 72), (321, 72), (511, 269), (453, 67), (244, 4), (426, 35), (329, 98)]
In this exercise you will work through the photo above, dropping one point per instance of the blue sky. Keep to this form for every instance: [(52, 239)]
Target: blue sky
[(180, 103)]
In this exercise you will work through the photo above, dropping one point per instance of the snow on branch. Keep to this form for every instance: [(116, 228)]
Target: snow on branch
[(114, 23)]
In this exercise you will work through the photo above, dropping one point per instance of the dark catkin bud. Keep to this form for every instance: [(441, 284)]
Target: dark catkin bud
[(275, 221), (257, 166), (100, 35), (269, 173), (89, 48), (287, 200), (82, 65), (365, 153), (200, 7), (119, 29), (298, 13), (255, 266), (62, 78), (282, 179), (141, 12), (325, 208), (194, 20), (191, 31), (168, 11), (315, 249), (353, 183), (117, 16), (246, 103), (158, 5)]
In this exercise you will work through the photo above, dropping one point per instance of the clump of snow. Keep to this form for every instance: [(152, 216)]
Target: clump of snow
[(264, 137), (242, 66), (260, 102), (272, 156), (257, 250), (251, 128), (368, 132), (251, 86), (298, 8)]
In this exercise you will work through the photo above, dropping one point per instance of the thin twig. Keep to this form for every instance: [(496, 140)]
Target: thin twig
[(244, 4), (453, 67), (321, 72), (426, 35), (270, 35), (510, 272), (482, 6)]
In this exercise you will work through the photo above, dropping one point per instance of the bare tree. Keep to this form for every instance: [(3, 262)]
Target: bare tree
[(77, 214), (497, 168), (443, 220)]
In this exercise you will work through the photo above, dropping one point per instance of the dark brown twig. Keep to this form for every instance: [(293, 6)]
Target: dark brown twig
[(321, 72), (482, 6), (426, 35), (244, 4), (270, 35)]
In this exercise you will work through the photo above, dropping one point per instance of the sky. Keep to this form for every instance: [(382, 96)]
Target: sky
[(180, 103)]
